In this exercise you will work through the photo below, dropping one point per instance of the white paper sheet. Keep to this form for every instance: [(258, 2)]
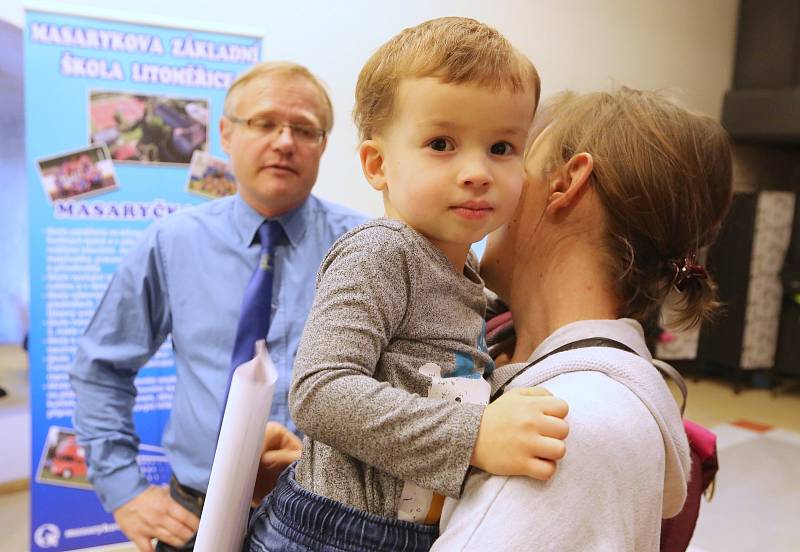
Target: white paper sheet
[(233, 475)]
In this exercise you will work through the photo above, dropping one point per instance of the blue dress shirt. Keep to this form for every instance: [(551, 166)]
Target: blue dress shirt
[(186, 277)]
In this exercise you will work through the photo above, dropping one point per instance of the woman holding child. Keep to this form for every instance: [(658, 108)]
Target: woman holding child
[(623, 189)]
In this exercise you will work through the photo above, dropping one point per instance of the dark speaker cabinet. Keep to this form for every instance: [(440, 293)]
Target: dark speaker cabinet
[(746, 262), (787, 358)]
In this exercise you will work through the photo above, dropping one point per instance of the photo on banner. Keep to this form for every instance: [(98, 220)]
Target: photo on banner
[(141, 128), (130, 137), (210, 176), (63, 461), (78, 174)]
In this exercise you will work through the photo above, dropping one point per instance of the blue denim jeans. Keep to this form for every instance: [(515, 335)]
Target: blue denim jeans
[(292, 519)]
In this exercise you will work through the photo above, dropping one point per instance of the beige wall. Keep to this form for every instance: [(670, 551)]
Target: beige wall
[(685, 46)]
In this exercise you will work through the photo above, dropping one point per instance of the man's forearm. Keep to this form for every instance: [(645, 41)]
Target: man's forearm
[(103, 421)]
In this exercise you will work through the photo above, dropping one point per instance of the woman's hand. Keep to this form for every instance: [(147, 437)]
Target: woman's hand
[(522, 433)]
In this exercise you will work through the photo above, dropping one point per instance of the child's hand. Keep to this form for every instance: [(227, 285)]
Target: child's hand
[(522, 433)]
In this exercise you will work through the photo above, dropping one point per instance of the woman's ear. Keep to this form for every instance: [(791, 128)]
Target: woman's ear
[(567, 185), (372, 163)]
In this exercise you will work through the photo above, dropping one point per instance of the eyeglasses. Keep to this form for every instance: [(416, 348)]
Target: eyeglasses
[(269, 127)]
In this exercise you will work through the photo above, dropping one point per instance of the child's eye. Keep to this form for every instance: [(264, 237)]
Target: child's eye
[(441, 144), (501, 148)]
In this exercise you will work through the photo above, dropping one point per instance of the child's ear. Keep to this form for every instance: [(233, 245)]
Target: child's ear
[(372, 163), (568, 184)]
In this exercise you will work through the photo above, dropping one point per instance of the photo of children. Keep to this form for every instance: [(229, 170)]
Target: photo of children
[(63, 461), (148, 129), (78, 173), (210, 176)]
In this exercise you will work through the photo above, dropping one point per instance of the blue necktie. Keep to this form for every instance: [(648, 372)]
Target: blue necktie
[(257, 303)]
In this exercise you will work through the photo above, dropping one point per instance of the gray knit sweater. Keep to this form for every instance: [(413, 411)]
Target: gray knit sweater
[(388, 302)]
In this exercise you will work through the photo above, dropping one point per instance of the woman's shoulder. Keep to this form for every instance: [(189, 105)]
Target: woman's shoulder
[(610, 394), (606, 367), (609, 482), (603, 412), (615, 395)]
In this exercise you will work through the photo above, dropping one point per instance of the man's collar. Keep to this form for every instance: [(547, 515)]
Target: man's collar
[(246, 219), (294, 222)]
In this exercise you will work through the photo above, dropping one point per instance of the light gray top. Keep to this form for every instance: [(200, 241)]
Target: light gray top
[(388, 302), (627, 463)]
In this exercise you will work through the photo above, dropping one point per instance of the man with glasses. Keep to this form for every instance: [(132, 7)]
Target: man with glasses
[(195, 276)]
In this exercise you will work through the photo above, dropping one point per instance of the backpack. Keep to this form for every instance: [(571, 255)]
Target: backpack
[(676, 532)]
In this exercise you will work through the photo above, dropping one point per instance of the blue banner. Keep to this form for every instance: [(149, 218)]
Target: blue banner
[(121, 129)]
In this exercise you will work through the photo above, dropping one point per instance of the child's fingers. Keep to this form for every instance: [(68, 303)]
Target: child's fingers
[(545, 401), (552, 406), (540, 469), (530, 392), (548, 448), (553, 426)]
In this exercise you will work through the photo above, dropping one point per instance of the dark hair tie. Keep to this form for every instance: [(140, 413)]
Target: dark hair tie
[(685, 270)]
